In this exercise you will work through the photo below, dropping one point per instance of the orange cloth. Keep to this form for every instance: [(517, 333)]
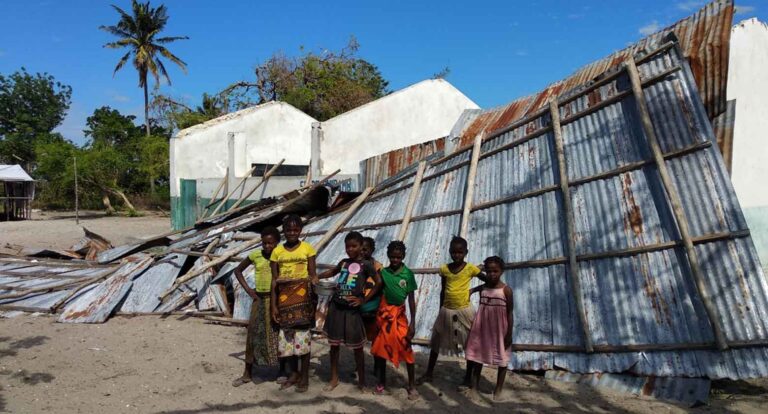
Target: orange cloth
[(391, 343)]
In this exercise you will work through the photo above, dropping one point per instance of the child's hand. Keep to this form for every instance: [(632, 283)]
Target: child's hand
[(411, 333), (274, 315), (508, 340), (354, 301), (314, 280)]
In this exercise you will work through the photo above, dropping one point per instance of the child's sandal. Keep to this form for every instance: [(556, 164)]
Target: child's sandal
[(380, 390)]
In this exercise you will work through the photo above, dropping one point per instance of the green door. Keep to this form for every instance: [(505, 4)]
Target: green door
[(188, 203)]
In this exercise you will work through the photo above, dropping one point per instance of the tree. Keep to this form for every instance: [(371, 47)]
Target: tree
[(322, 85), (31, 106), (177, 115), (138, 32), (108, 127)]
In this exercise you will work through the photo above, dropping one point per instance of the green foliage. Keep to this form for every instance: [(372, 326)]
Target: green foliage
[(109, 128), (31, 106), (176, 115), (139, 33), (322, 85)]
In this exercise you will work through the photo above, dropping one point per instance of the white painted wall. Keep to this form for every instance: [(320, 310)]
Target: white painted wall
[(263, 134), (748, 84), (421, 112)]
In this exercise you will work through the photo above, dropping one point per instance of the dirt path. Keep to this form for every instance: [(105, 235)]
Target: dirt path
[(58, 229), (176, 365)]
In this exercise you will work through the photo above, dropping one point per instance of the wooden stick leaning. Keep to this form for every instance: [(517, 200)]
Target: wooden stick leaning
[(470, 189), (215, 194), (675, 203), (343, 219), (573, 266), (264, 179), (232, 192), (412, 197)]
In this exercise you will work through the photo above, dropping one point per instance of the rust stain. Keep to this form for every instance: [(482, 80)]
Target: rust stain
[(649, 386), (633, 218)]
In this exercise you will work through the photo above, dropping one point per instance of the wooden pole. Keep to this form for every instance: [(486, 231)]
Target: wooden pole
[(573, 266), (77, 200), (215, 194), (264, 179), (343, 219), (675, 202), (469, 191), (231, 193), (412, 197)]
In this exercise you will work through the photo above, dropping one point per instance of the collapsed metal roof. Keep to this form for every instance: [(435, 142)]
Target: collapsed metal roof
[(645, 303)]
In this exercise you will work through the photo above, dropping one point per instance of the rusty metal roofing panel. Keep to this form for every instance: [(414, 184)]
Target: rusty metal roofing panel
[(147, 287), (704, 39), (378, 168), (96, 305)]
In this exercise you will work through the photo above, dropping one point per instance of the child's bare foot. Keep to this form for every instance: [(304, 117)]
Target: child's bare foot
[(472, 394), (381, 390), (331, 386), (363, 389), (424, 379), (290, 382), (413, 395), (497, 395), (240, 381), (281, 379), (462, 388), (302, 387)]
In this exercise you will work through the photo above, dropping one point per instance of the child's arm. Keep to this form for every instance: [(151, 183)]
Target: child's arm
[(329, 273), (239, 275), (273, 290), (475, 289), (412, 324), (510, 316), (312, 270), (377, 285), (442, 290)]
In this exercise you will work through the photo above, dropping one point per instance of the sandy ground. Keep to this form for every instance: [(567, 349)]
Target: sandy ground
[(58, 229), (151, 364), (182, 365)]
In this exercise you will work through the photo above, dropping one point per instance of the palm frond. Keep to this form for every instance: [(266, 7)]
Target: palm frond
[(121, 62), (120, 43), (160, 65), (116, 31), (169, 39), (173, 58)]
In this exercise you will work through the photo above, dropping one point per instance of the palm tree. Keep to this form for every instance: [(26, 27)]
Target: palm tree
[(138, 32)]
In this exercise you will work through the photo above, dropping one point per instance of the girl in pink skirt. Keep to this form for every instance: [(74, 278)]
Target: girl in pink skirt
[(491, 335)]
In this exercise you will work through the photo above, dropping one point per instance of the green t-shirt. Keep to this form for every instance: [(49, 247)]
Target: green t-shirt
[(398, 285), (262, 273)]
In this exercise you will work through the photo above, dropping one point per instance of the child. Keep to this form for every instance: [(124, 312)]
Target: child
[(344, 323), (261, 340), (393, 342), (491, 336), (369, 308), (293, 274), (449, 333)]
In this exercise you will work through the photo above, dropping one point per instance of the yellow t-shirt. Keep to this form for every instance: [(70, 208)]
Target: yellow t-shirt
[(262, 273), (293, 263), (457, 285)]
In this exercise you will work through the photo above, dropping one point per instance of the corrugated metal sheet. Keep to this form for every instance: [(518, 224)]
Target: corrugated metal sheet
[(378, 168), (96, 305), (686, 390), (645, 299), (147, 287), (704, 38)]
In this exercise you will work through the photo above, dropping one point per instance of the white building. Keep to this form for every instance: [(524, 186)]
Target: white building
[(201, 156), (748, 85)]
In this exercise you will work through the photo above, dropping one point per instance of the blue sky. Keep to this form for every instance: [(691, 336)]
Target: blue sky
[(496, 50)]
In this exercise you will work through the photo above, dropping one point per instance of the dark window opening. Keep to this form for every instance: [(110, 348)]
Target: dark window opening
[(285, 170)]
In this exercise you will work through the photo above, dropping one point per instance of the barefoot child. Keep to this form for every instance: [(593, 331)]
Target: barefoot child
[(261, 340), (491, 335), (344, 323), (293, 275), (393, 343), (449, 333), (369, 308)]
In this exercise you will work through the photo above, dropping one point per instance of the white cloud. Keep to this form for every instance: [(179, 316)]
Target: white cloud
[(649, 28), (744, 9), (690, 5)]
